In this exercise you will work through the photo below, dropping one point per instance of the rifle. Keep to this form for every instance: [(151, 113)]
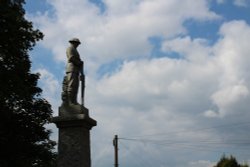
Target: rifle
[(83, 84)]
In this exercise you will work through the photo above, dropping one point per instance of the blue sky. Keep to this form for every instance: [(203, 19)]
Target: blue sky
[(171, 78)]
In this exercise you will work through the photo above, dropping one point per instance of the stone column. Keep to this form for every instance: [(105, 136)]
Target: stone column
[(74, 126)]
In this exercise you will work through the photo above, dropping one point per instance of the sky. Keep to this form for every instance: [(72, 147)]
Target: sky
[(169, 77)]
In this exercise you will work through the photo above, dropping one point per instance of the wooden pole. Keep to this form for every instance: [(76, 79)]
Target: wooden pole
[(115, 143)]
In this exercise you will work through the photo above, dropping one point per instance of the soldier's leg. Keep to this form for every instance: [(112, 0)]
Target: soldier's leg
[(65, 90), (73, 84)]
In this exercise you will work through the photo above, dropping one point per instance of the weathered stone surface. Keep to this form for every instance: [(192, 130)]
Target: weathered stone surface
[(74, 138), (73, 121), (71, 110)]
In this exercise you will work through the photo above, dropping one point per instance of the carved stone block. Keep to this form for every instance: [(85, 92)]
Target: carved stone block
[(74, 138)]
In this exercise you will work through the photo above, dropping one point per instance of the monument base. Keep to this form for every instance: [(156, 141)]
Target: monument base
[(74, 136)]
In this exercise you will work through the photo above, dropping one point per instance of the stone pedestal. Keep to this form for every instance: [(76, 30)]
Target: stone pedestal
[(74, 126)]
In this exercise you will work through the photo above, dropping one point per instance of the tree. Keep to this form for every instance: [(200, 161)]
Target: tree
[(229, 162), (24, 141)]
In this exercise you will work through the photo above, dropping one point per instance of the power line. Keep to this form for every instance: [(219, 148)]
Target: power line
[(138, 157), (195, 130), (166, 141), (219, 145), (204, 146)]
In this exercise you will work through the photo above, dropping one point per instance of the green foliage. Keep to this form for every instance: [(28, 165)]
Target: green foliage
[(229, 162), (24, 142)]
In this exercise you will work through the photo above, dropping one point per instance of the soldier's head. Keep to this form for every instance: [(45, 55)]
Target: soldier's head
[(75, 42)]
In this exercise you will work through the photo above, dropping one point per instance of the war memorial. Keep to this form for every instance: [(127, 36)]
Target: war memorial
[(73, 120)]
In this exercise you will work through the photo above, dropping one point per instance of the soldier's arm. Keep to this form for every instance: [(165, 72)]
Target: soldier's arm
[(72, 58)]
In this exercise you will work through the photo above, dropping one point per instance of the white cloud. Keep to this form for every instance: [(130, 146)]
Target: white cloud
[(163, 94), (233, 61), (229, 96), (227, 64), (241, 3), (157, 95), (201, 163), (50, 86), (196, 50), (117, 33), (51, 92), (220, 1), (226, 98)]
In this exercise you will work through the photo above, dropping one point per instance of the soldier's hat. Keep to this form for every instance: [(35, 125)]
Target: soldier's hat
[(75, 40)]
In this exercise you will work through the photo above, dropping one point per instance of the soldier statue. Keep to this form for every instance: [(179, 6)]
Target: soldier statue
[(74, 72)]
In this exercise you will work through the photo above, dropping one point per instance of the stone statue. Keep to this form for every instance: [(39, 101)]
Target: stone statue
[(73, 119), (74, 72)]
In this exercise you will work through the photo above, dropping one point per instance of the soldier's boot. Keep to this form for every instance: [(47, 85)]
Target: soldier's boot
[(75, 99), (72, 98)]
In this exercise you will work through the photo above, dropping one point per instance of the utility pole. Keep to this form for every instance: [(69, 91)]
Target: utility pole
[(115, 143)]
